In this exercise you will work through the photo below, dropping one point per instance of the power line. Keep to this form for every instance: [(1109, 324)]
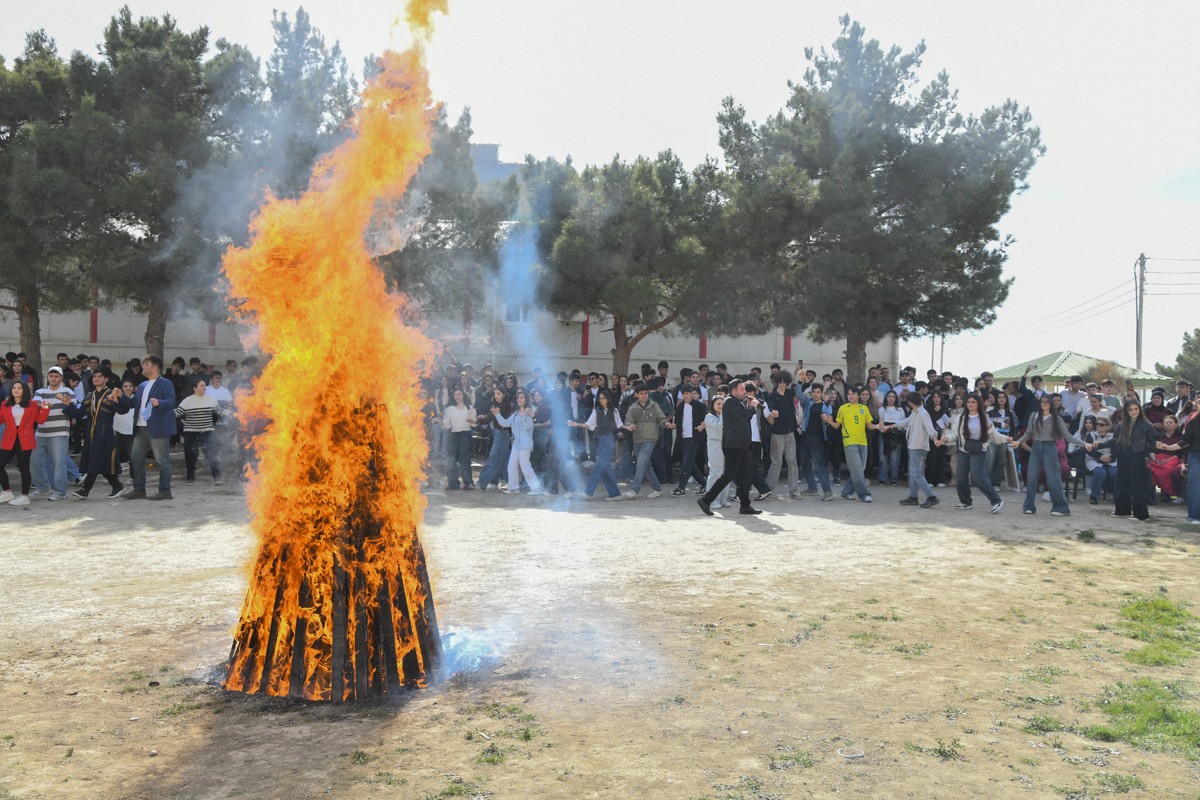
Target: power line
[(1066, 311), (1148, 258), (1171, 272), (1173, 294), (1050, 324)]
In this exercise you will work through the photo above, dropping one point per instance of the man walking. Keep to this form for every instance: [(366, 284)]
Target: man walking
[(735, 444), (644, 419), (154, 424), (920, 430)]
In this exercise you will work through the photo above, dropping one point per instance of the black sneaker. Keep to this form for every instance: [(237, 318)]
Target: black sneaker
[(910, 501), (749, 510), (161, 496), (80, 493), (765, 495), (704, 507), (136, 494), (118, 492), (678, 492), (930, 502)]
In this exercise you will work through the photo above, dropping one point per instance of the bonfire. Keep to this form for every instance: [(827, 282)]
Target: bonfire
[(339, 605)]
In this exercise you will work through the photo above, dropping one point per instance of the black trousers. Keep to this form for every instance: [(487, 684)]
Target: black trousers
[(739, 469), (23, 457), (1133, 482)]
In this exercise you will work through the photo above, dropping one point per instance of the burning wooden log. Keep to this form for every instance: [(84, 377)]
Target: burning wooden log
[(341, 609)]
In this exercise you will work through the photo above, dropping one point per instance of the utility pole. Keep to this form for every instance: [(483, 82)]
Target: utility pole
[(1139, 283)]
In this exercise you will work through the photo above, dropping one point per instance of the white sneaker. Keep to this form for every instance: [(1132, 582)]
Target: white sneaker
[(536, 492), (512, 491), (614, 498), (1046, 496), (19, 500), (654, 494), (6, 496), (997, 506), (631, 494)]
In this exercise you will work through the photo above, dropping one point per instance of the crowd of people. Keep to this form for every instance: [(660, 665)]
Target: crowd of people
[(82, 421), (785, 433), (789, 433)]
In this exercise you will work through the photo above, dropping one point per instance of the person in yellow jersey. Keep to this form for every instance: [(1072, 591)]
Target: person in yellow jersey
[(854, 419)]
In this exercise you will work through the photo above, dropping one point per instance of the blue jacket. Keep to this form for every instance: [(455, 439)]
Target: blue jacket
[(161, 424)]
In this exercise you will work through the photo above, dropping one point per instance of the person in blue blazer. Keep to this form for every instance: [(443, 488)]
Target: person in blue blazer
[(153, 426)]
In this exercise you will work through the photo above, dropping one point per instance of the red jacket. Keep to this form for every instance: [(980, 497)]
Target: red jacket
[(34, 413)]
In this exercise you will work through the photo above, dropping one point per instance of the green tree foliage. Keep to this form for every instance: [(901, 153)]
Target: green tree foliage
[(452, 224), (1187, 363), (150, 86), (632, 250), (310, 95), (868, 207), (49, 173)]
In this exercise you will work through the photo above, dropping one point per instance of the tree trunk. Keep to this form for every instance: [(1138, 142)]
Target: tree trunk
[(156, 325), (622, 351), (856, 360), (625, 343), (29, 324)]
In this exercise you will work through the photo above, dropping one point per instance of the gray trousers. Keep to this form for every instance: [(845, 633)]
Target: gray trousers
[(783, 447)]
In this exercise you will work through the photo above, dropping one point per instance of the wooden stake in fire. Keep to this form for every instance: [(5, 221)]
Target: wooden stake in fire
[(343, 610)]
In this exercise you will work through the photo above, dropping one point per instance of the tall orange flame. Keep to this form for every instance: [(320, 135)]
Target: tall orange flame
[(339, 603)]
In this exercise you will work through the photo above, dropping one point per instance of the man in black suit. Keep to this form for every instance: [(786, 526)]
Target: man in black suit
[(735, 443)]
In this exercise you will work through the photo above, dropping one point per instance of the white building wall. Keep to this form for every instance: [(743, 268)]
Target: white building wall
[(120, 336)]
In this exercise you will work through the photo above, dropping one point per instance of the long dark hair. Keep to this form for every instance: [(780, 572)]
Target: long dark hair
[(984, 427), (26, 394), (1056, 421), (1128, 423)]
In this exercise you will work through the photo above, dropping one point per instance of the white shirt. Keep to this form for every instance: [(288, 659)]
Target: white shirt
[(141, 416), (220, 394), (686, 432)]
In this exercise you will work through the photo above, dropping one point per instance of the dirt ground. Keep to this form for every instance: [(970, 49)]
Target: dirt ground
[(608, 650)]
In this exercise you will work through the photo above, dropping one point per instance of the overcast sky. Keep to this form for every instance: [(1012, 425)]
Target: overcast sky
[(1112, 89)]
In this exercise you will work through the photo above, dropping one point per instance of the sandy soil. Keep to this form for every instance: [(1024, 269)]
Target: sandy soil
[(612, 650)]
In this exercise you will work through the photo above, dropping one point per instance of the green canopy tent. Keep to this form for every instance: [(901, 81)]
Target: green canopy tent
[(1057, 368)]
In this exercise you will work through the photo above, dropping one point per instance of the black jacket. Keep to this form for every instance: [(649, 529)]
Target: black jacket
[(735, 419), (1141, 439)]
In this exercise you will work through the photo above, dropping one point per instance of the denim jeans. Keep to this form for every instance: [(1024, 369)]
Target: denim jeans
[(606, 445), (889, 462), (144, 443), (812, 456), (974, 465), (996, 465), (1100, 475), (497, 460), (688, 466), (1044, 455), (49, 464), (459, 458), (916, 473), (643, 452), (856, 461)]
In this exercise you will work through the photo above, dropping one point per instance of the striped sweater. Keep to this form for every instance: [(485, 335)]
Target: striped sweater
[(197, 413), (58, 423)]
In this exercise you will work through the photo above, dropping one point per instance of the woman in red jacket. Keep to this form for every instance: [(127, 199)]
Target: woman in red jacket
[(18, 415)]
